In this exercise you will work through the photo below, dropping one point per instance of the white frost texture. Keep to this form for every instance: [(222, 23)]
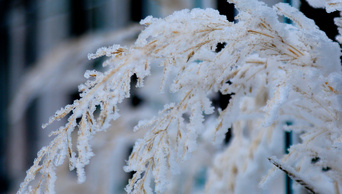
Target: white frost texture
[(282, 77)]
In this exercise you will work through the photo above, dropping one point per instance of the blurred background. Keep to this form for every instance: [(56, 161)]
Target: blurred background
[(43, 55)]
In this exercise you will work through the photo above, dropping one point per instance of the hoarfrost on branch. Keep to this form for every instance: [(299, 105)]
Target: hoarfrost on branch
[(275, 72)]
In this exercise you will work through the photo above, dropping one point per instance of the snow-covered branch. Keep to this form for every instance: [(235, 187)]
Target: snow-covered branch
[(276, 73)]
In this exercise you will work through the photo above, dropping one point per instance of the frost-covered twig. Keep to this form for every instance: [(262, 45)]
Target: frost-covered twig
[(331, 6), (293, 174), (276, 73), (47, 73)]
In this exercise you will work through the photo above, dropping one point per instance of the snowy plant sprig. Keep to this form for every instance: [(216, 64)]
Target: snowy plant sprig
[(284, 50), (331, 6), (106, 90), (302, 86), (288, 72)]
